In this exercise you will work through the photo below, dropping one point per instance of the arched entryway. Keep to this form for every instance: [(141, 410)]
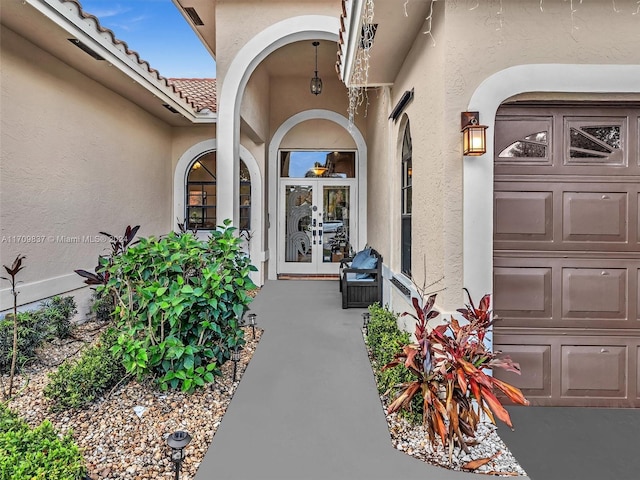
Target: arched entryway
[(323, 186)]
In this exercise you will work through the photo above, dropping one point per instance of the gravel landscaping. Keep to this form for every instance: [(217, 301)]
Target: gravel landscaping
[(123, 434), (413, 440)]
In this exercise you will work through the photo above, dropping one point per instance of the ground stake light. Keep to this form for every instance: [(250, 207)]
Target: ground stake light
[(235, 357), (366, 316), (253, 322), (177, 441)]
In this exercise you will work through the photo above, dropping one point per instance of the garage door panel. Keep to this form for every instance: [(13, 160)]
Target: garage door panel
[(567, 251), (594, 216), (594, 371), (523, 292), (524, 216), (594, 293), (535, 366)]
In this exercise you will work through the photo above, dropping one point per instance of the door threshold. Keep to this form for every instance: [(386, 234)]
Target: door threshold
[(308, 276)]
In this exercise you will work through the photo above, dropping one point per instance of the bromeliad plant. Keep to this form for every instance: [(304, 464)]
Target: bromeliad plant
[(448, 363)]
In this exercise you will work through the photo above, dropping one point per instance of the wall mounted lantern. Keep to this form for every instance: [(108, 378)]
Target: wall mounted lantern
[(316, 82), (178, 441), (474, 135)]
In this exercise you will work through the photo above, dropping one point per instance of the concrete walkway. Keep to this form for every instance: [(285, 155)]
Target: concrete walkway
[(307, 406)]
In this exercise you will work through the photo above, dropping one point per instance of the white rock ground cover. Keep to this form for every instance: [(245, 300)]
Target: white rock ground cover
[(413, 440)]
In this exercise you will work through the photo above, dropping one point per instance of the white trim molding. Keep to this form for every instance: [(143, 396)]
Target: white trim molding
[(478, 171), (290, 30), (274, 146)]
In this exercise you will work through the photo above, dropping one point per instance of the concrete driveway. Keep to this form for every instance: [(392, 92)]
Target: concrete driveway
[(561, 443)]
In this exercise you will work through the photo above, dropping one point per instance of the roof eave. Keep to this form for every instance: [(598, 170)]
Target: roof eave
[(68, 17)]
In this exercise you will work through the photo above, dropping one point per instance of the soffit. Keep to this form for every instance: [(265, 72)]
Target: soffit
[(298, 60), (122, 70), (398, 24), (206, 10)]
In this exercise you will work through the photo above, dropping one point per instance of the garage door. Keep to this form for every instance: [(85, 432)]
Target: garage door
[(567, 251)]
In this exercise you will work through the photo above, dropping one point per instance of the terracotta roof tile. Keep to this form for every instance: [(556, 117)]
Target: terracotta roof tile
[(200, 92), (121, 45)]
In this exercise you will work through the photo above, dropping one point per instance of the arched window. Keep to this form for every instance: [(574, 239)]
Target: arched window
[(201, 194), (407, 172)]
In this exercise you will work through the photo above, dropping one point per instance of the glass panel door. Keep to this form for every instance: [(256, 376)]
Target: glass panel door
[(335, 223), (315, 225), (297, 223)]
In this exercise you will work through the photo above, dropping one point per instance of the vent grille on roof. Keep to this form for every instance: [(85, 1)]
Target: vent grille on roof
[(193, 15), (85, 49)]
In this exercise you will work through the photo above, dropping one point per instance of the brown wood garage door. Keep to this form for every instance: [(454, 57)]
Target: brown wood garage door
[(567, 251)]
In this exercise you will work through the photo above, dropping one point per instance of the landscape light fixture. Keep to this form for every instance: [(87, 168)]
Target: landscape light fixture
[(235, 357), (253, 323), (178, 441), (474, 135), (316, 82), (366, 316)]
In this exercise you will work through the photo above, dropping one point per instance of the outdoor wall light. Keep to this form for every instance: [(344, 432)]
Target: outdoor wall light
[(235, 357), (474, 135), (177, 441), (316, 82), (253, 322), (366, 316)]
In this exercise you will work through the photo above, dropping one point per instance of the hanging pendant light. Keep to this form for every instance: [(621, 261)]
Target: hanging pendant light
[(316, 82)]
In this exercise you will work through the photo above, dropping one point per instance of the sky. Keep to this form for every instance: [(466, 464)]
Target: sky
[(158, 32)]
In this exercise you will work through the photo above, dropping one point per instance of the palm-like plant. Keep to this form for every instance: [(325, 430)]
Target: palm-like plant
[(449, 363)]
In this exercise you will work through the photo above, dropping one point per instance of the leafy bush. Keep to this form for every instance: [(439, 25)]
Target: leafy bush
[(77, 383), (179, 301), (447, 366), (103, 307), (59, 311), (38, 453), (34, 327), (385, 339)]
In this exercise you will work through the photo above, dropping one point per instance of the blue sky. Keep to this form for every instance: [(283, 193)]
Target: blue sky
[(158, 32)]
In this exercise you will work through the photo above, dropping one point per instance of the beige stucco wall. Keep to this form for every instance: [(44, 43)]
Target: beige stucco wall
[(76, 159), (472, 42), (183, 138), (239, 21)]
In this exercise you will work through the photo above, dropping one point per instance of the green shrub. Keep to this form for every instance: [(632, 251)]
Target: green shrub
[(52, 319), (179, 301), (385, 340), (38, 453), (59, 311), (103, 307), (79, 382)]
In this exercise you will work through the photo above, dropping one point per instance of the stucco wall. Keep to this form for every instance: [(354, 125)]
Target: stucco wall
[(290, 95), (76, 159), (239, 21), (472, 42)]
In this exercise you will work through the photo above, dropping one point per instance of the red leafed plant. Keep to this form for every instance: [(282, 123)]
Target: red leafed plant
[(448, 362)]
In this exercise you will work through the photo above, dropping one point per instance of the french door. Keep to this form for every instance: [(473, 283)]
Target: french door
[(316, 224)]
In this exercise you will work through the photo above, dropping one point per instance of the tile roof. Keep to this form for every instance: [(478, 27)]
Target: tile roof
[(195, 101), (200, 92)]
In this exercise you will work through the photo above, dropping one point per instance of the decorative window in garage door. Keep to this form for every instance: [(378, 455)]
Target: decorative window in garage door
[(523, 141), (593, 142)]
